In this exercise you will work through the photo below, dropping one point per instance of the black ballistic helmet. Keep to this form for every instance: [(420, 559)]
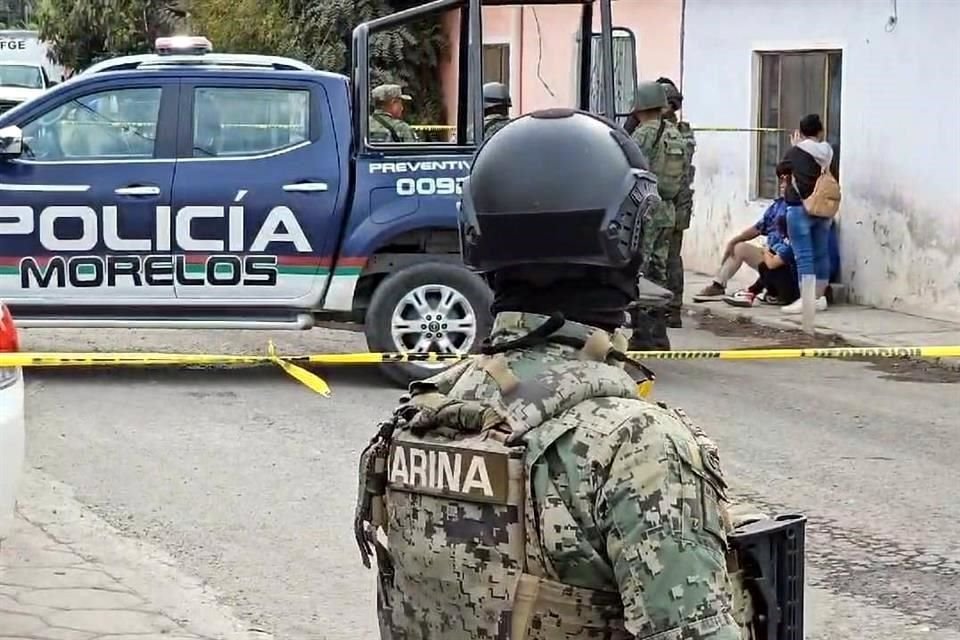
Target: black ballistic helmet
[(674, 97), (495, 94), (556, 187)]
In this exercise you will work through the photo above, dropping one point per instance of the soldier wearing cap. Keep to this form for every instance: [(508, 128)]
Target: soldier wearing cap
[(386, 122)]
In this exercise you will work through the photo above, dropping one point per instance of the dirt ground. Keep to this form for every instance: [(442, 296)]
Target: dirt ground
[(897, 369)]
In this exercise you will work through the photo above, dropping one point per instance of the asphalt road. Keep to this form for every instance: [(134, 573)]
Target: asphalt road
[(248, 479)]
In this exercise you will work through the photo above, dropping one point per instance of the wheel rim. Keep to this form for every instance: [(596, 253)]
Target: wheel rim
[(433, 317)]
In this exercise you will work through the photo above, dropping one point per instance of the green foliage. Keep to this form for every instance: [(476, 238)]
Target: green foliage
[(16, 14), (83, 31), (423, 46), (318, 32), (243, 26)]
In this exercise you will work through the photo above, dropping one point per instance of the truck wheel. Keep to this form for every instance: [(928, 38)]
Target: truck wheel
[(431, 306)]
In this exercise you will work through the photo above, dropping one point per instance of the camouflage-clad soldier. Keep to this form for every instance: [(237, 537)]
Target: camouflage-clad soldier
[(496, 105), (532, 493), (386, 121), (666, 150), (683, 204)]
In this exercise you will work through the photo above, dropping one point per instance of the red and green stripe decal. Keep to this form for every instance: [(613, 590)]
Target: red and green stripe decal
[(286, 265)]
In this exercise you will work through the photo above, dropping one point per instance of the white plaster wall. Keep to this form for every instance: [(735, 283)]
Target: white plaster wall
[(900, 135)]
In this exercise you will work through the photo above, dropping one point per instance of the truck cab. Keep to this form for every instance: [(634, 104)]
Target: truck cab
[(188, 189)]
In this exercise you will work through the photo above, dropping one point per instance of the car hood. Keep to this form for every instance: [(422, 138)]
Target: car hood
[(18, 94)]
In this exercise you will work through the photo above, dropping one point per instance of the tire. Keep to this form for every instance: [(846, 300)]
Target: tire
[(427, 285)]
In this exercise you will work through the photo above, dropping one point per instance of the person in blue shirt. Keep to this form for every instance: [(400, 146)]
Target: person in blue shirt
[(740, 250), (777, 282)]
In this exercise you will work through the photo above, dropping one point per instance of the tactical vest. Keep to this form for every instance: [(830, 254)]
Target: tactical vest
[(493, 123), (670, 160), (684, 199), (385, 132), (447, 483)]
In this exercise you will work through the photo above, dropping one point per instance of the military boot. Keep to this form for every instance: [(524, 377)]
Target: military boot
[(658, 331), (641, 339)]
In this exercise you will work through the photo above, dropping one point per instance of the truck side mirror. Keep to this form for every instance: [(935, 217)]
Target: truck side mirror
[(624, 72), (11, 143)]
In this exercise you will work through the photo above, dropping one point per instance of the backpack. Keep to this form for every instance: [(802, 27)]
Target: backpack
[(824, 202)]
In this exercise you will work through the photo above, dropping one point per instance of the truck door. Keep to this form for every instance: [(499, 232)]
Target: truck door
[(258, 179), (83, 206)]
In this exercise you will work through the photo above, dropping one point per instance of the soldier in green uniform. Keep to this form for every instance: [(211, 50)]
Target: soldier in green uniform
[(666, 150), (496, 103), (683, 204), (531, 493), (386, 121)]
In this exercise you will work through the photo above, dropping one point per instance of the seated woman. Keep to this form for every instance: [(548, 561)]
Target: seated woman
[(777, 282)]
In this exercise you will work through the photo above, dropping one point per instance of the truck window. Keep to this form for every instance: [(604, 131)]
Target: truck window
[(21, 76), (119, 124), (405, 112), (229, 122)]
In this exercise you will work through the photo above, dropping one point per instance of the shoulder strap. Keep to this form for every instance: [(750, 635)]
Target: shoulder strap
[(663, 125), (389, 127)]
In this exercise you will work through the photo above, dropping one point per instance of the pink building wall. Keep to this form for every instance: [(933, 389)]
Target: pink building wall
[(542, 43)]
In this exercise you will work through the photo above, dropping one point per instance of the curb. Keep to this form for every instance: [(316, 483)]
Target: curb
[(735, 314)]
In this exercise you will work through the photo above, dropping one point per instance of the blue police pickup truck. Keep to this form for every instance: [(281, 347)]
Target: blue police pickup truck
[(205, 190), (193, 189)]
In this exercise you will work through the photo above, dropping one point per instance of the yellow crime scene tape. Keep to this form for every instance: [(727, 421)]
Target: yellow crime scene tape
[(735, 129), (293, 364)]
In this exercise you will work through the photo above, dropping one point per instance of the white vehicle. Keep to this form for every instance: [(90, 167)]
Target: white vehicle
[(11, 424), (26, 70)]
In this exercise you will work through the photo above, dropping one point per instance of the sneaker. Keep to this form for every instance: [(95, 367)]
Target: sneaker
[(713, 291), (742, 298), (773, 301), (796, 307)]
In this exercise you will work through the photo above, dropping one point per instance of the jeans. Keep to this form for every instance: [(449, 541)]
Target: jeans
[(810, 238)]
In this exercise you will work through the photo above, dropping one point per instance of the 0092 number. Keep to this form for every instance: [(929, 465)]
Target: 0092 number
[(429, 186)]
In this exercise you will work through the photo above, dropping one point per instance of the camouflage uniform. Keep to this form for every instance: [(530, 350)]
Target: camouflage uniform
[(665, 148), (493, 123), (383, 126), (496, 102), (684, 209), (603, 518)]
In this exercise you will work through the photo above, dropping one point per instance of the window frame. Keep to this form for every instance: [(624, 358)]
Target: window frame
[(506, 59), (164, 142), (41, 73), (460, 57), (829, 53), (317, 113)]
